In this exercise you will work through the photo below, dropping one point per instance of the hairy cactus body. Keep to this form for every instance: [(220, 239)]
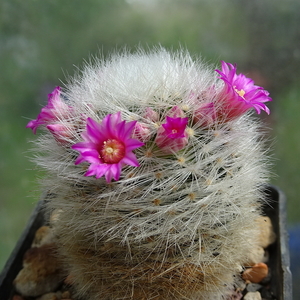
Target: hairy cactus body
[(175, 219)]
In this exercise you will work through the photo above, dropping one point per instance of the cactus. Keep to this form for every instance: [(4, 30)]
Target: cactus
[(155, 167)]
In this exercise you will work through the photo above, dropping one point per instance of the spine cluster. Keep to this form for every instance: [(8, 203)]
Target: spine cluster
[(155, 168)]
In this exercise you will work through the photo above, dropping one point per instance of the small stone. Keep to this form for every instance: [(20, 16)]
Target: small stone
[(17, 297), (43, 236), (256, 273), (55, 216), (253, 287), (267, 235), (49, 296), (41, 273), (66, 295), (266, 293), (253, 296)]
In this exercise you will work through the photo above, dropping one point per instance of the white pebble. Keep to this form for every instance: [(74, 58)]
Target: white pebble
[(253, 296)]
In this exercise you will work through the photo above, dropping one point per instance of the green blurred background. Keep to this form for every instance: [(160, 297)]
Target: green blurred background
[(42, 42)]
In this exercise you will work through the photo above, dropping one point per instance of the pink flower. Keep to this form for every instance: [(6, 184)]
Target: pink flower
[(54, 109), (175, 127), (239, 94), (171, 136), (108, 147)]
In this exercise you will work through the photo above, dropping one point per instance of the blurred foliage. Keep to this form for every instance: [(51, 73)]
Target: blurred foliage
[(41, 41), (287, 148)]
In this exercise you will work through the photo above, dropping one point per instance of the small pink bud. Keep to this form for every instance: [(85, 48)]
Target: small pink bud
[(171, 136), (142, 132), (60, 132), (176, 112), (175, 127), (205, 114), (54, 109), (151, 115)]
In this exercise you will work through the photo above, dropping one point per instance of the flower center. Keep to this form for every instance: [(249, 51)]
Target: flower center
[(241, 92), (112, 151)]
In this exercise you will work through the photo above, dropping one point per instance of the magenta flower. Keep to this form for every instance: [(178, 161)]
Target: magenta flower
[(171, 136), (240, 94), (108, 147), (175, 127), (54, 109)]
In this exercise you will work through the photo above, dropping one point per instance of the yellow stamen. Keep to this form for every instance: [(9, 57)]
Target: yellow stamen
[(109, 150), (112, 151), (241, 92)]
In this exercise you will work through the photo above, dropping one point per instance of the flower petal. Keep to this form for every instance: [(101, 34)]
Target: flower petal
[(130, 159)]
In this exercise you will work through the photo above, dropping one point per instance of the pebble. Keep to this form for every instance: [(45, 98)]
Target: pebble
[(17, 297), (267, 235), (55, 216), (253, 296), (266, 294), (50, 296), (256, 273), (66, 295), (41, 272), (43, 236), (253, 287)]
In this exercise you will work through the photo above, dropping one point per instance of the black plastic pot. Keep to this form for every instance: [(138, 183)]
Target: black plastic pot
[(14, 263), (279, 263)]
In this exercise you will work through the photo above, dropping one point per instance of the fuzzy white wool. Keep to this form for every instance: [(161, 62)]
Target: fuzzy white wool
[(192, 211)]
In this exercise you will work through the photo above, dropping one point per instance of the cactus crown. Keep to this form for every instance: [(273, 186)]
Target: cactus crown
[(157, 155)]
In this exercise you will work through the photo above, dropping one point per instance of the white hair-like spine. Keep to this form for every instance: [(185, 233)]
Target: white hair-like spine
[(179, 226)]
